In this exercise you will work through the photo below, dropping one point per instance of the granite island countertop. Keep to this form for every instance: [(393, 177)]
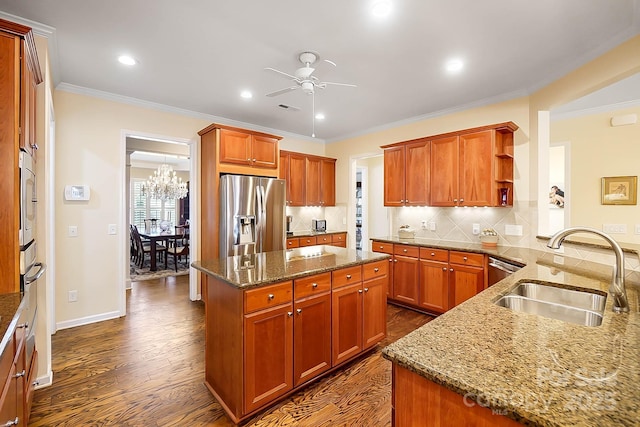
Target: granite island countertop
[(250, 271), (536, 370)]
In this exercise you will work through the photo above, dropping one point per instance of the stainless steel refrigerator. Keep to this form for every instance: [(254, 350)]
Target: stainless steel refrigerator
[(252, 215)]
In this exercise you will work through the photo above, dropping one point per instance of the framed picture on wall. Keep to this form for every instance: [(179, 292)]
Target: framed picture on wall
[(619, 190)]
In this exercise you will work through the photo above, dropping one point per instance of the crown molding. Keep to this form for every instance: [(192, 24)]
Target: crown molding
[(594, 110)]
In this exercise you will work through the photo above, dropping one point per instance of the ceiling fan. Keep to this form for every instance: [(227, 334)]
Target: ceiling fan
[(304, 79)]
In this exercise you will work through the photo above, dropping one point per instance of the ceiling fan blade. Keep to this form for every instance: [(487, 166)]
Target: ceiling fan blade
[(281, 72), (281, 91), (337, 84), (331, 62)]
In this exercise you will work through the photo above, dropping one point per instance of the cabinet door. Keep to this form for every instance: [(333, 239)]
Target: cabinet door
[(312, 195), (312, 337), (434, 286), (405, 279), (476, 161), (8, 399), (283, 169), (268, 349), (235, 147), (394, 170), (385, 248), (417, 173), (346, 316), (374, 312), (464, 282), (328, 184), (264, 152), (444, 171), (296, 180)]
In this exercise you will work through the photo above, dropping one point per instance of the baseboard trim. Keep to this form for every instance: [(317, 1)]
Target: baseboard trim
[(44, 381), (87, 320)]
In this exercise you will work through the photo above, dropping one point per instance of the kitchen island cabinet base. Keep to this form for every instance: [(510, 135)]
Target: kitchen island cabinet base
[(417, 401)]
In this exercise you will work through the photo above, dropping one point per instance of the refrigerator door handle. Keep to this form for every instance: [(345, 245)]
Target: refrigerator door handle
[(260, 217)]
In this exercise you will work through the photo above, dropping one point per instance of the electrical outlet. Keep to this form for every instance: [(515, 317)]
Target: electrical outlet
[(73, 296), (637, 228), (344, 220), (513, 230), (73, 231), (432, 226), (475, 229), (111, 229), (614, 228), (424, 224)]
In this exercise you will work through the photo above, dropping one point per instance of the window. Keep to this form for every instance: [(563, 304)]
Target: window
[(144, 207)]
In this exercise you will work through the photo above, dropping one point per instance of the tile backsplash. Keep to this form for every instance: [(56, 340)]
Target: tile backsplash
[(302, 217)]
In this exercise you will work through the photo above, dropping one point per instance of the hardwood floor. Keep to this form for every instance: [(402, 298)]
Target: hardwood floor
[(147, 369)]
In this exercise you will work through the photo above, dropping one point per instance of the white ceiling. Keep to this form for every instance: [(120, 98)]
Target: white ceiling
[(197, 55)]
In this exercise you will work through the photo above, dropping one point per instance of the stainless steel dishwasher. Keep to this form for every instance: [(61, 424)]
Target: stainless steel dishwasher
[(499, 269)]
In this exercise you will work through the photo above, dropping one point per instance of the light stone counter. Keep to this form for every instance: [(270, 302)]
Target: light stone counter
[(536, 370)]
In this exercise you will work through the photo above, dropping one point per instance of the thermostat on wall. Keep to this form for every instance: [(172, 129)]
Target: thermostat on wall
[(76, 192)]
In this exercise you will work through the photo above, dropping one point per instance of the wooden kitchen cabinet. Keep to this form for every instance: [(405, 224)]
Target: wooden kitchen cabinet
[(346, 311), (385, 248), (244, 148), (310, 179), (434, 280), (293, 242), (339, 239), (374, 310), (308, 241), (405, 274), (406, 174), (466, 276)]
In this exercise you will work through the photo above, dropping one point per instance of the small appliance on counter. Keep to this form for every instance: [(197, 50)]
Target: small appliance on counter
[(288, 222), (319, 225)]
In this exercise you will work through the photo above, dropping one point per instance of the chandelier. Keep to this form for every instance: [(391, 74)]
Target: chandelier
[(164, 185)]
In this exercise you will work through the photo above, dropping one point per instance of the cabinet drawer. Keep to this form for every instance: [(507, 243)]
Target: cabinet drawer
[(346, 276), (293, 243), (434, 254), (377, 246), (339, 238), (406, 250), (323, 240), (466, 258), (269, 296), (307, 241), (375, 269), (311, 285)]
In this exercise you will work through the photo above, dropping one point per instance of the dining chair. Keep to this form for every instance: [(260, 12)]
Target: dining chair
[(145, 248), (179, 246)]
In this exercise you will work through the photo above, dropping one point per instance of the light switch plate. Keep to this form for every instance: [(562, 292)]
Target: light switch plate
[(637, 228), (111, 229), (614, 228), (432, 226), (73, 231), (475, 229)]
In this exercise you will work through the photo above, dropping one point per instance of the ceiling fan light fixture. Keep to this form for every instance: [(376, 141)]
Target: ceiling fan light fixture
[(320, 116), (127, 60), (454, 65), (246, 94), (381, 8), (307, 87)]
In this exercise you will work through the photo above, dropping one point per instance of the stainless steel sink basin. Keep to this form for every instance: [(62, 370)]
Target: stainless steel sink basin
[(573, 306)]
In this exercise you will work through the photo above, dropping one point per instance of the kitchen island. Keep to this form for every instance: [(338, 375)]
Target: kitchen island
[(276, 321), (487, 365)]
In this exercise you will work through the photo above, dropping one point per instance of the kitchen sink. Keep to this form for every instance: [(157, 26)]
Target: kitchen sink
[(569, 305)]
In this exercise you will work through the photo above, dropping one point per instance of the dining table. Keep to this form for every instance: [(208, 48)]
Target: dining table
[(156, 236)]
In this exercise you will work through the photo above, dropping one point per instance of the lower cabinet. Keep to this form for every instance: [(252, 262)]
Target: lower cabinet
[(265, 342), (430, 279), (332, 239)]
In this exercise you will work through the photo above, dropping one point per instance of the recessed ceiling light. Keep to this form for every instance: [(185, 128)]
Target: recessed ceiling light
[(454, 65), (246, 94), (319, 116), (381, 8), (127, 60)]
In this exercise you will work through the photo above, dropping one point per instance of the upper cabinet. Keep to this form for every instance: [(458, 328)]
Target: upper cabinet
[(255, 150), (311, 180), (406, 174), (473, 167)]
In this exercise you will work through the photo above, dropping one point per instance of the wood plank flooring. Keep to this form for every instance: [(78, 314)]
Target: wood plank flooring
[(147, 369)]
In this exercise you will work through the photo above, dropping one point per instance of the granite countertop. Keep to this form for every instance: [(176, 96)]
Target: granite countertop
[(538, 371), (310, 233), (250, 271), (9, 305)]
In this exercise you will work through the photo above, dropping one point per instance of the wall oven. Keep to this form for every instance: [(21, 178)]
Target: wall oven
[(28, 200)]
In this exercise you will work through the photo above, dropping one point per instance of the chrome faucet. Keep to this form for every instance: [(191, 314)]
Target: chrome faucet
[(617, 289)]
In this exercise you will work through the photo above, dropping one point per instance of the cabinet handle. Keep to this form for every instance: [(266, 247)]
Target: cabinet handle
[(299, 311), (366, 289), (248, 160), (359, 291), (451, 269), (270, 296), (35, 146), (375, 270), (348, 276), (20, 374), (404, 250), (381, 247), (254, 160), (390, 260), (395, 260), (23, 325), (12, 423), (314, 285), (464, 258), (433, 254), (455, 200), (444, 268), (289, 313), (461, 200)]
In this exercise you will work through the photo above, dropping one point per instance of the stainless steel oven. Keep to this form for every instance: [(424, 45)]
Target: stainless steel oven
[(28, 199)]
